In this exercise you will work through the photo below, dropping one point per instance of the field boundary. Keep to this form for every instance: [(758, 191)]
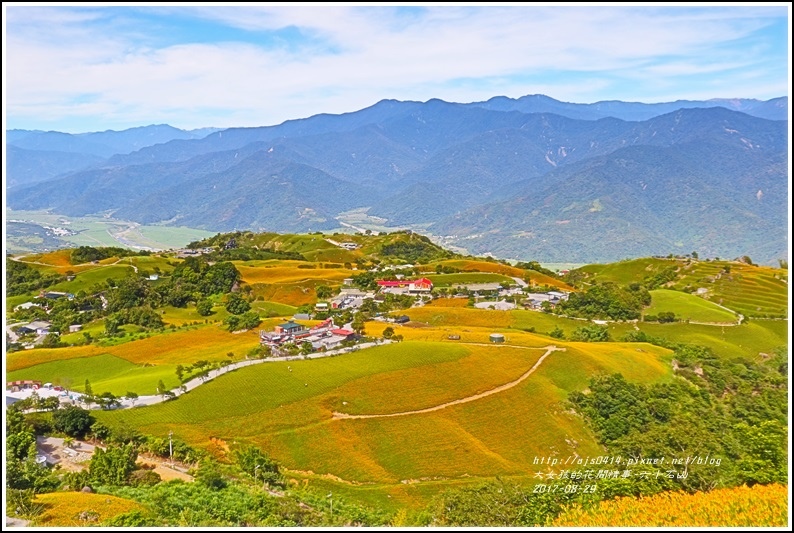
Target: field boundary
[(549, 349)]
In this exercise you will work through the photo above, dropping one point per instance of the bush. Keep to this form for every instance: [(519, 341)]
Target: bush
[(144, 478), (73, 421)]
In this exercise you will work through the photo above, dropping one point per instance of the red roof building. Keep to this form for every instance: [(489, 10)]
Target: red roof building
[(415, 285)]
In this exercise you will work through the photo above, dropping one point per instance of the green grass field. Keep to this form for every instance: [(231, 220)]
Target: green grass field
[(625, 272), (107, 373), (688, 307), (289, 412), (453, 280)]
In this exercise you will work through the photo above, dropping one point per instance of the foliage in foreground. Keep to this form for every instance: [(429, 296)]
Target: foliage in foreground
[(759, 506)]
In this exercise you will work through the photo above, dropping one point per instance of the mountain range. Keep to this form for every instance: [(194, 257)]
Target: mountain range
[(527, 178)]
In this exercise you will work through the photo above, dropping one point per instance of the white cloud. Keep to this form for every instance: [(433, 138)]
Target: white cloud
[(355, 56)]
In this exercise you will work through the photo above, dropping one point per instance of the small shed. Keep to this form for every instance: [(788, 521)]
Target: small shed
[(497, 338), (75, 328), (402, 319)]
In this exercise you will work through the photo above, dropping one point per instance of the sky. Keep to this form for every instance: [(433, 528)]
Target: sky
[(79, 68)]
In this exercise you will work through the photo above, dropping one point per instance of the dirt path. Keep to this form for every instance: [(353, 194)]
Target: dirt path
[(501, 388)]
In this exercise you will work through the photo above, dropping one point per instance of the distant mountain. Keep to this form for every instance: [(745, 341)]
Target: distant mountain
[(491, 176), (774, 109), (723, 194), (35, 156), (24, 167)]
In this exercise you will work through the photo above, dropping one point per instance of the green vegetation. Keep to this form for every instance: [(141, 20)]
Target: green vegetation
[(606, 300), (688, 307), (22, 278), (87, 254), (453, 280), (105, 372), (666, 387)]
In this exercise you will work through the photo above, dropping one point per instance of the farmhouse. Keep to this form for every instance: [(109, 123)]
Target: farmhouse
[(53, 295), (321, 307), (15, 386), (416, 286), (75, 328), (289, 328), (39, 327), (501, 305)]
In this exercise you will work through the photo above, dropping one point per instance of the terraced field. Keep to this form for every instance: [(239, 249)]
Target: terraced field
[(750, 290), (290, 413), (289, 272)]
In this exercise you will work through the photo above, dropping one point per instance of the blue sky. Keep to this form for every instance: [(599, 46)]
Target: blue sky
[(84, 68)]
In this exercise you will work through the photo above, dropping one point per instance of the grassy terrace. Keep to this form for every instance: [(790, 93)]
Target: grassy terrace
[(290, 412), (688, 307)]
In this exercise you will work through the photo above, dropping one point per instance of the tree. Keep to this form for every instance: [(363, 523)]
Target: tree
[(257, 463), (73, 421), (236, 305), (388, 333), (132, 397), (306, 348), (323, 292), (161, 390), (204, 307), (358, 323), (591, 334), (113, 465), (557, 333), (209, 475)]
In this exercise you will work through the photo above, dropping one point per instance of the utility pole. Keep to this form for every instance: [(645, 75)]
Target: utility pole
[(171, 448), (331, 502), (256, 468)]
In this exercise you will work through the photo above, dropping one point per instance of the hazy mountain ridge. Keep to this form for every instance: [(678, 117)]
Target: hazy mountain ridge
[(524, 185)]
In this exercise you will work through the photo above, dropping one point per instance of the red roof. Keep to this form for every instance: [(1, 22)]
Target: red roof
[(395, 283), (343, 332), (422, 282)]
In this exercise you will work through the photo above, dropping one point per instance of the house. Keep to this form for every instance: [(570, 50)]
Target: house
[(74, 328), (414, 286), (302, 316), (23, 384), (153, 277), (346, 333), (347, 282), (290, 328), (501, 305), (321, 307), (54, 295), (349, 245), (39, 327)]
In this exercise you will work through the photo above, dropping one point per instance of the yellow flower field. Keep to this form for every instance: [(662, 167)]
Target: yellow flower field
[(759, 506), (78, 509)]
